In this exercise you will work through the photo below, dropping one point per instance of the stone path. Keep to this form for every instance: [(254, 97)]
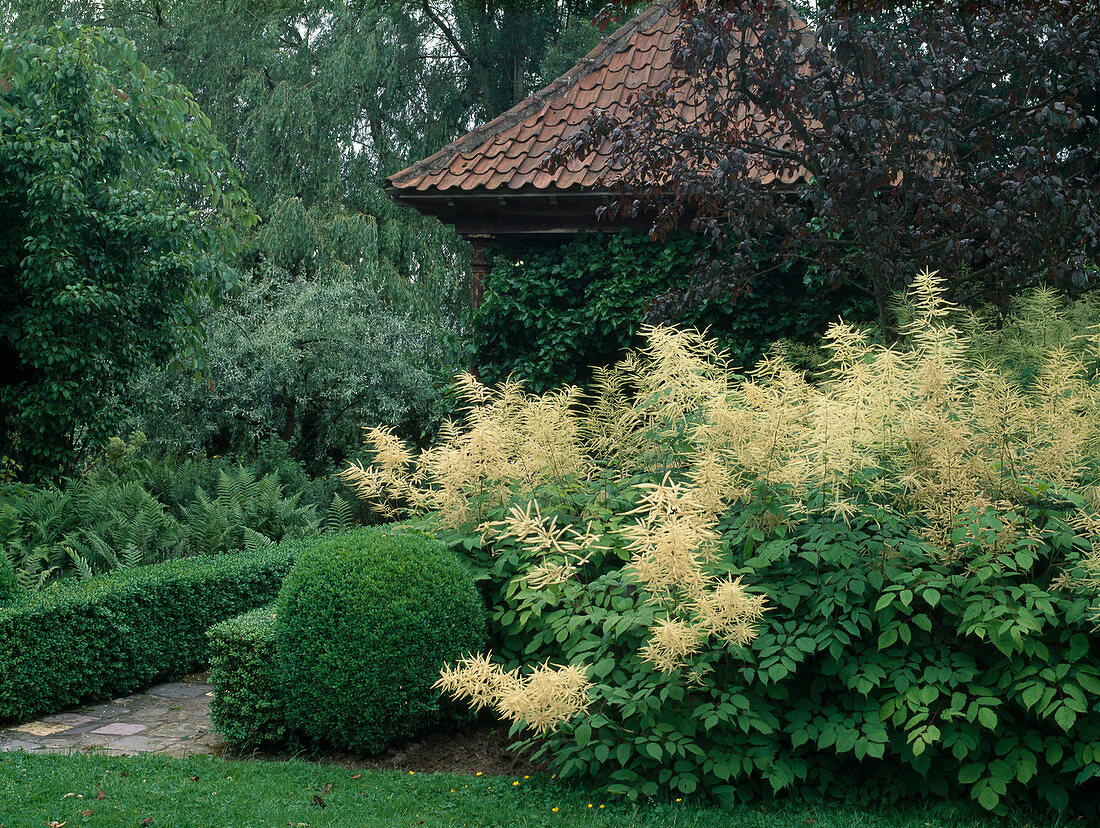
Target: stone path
[(172, 719)]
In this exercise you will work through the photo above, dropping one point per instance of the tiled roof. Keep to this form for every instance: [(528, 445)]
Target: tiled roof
[(507, 153)]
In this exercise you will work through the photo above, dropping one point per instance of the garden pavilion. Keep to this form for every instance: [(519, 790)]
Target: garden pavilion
[(492, 184)]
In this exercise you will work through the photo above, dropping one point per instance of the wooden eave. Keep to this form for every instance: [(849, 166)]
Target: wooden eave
[(534, 215)]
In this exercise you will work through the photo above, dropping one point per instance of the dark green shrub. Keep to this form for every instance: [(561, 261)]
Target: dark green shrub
[(103, 274), (248, 702), (365, 621), (117, 632)]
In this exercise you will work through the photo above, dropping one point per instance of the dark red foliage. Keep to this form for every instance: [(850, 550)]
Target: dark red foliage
[(955, 136)]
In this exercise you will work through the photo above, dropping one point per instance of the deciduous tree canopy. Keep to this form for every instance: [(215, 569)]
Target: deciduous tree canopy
[(316, 101), (117, 212)]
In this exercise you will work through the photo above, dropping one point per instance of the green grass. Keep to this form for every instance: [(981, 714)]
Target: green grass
[(208, 792)]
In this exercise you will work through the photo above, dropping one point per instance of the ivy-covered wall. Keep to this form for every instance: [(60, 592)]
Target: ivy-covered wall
[(550, 313)]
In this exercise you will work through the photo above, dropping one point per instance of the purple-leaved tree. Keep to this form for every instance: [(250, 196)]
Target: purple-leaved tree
[(871, 140)]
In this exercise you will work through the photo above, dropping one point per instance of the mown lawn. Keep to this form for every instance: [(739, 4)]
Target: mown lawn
[(209, 792)]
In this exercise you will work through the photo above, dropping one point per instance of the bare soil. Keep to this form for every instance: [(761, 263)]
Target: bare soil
[(483, 748)]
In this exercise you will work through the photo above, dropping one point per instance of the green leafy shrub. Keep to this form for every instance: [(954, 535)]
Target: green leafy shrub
[(879, 671), (120, 631), (247, 707), (877, 583), (365, 621), (305, 361), (104, 256)]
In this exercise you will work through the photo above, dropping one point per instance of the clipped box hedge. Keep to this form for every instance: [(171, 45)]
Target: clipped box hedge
[(349, 653), (121, 631), (248, 704), (366, 619)]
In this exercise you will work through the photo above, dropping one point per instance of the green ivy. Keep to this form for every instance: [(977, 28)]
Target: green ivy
[(549, 314)]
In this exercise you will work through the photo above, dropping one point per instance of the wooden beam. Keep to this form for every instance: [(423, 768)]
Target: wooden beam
[(479, 268)]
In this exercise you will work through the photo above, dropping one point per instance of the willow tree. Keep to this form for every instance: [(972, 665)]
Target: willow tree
[(503, 50)]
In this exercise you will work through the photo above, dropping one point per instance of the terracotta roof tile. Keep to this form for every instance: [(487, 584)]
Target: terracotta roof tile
[(509, 150)]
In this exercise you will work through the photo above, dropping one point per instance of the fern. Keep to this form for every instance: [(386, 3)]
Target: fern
[(32, 576), (79, 563), (246, 513), (93, 548), (237, 492), (254, 541), (132, 557), (340, 516), (46, 517), (111, 520), (10, 522), (207, 527)]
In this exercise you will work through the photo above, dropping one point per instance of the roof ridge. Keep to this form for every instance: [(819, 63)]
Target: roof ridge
[(596, 58)]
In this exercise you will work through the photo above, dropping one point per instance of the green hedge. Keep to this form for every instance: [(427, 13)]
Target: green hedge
[(115, 633), (366, 620), (248, 707)]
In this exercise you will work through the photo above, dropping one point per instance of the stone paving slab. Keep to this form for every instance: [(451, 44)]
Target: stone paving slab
[(120, 729), (179, 690), (175, 730), (10, 745), (152, 714), (40, 728), (70, 719), (172, 719)]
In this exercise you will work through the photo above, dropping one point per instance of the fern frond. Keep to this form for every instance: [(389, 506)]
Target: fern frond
[(131, 558), (80, 563), (254, 541), (94, 548), (340, 516)]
